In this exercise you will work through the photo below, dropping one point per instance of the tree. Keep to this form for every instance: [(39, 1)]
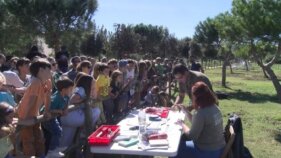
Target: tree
[(168, 46), (228, 28), (13, 38), (151, 37), (125, 40), (184, 46), (74, 38), (218, 36), (261, 22), (206, 32), (195, 50), (207, 35), (242, 51), (95, 44), (52, 19)]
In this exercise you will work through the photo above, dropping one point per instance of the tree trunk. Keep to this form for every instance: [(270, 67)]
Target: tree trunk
[(264, 72), (230, 67), (246, 65), (223, 80), (267, 67), (275, 81)]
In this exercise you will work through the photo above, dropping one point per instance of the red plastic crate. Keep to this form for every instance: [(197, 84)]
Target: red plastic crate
[(102, 136), (165, 113)]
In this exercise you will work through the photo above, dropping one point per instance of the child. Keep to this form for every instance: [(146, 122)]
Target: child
[(116, 89), (37, 94), (5, 96), (164, 99), (6, 129), (59, 102), (102, 88), (152, 98)]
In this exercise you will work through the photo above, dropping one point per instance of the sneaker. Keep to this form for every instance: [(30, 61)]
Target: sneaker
[(57, 153)]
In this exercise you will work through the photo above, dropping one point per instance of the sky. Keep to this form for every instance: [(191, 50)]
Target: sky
[(179, 16)]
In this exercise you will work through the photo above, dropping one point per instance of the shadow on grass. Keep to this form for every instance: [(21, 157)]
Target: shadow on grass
[(252, 97), (278, 137)]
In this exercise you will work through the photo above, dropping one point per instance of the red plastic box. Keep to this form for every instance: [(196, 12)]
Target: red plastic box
[(165, 113), (162, 112), (103, 135)]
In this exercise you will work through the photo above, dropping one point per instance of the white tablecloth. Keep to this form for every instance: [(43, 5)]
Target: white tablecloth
[(167, 125)]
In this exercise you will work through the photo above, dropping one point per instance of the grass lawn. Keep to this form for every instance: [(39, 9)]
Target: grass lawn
[(253, 98)]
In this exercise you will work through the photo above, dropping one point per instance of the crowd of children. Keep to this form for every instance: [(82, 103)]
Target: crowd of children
[(40, 85)]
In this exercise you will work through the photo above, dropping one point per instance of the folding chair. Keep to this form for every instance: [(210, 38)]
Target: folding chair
[(230, 135)]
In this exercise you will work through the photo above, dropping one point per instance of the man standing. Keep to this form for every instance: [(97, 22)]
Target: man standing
[(196, 66), (187, 79)]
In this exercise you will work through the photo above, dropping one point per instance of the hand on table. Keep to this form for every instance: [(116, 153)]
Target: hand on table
[(178, 107)]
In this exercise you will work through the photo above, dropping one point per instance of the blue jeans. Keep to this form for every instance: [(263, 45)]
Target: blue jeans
[(74, 120), (108, 106), (54, 128), (188, 149)]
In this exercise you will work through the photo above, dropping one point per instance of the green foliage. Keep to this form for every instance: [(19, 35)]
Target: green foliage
[(208, 36), (151, 36), (260, 25), (125, 40), (260, 19), (168, 46), (13, 38), (53, 18), (96, 43), (228, 27), (206, 32), (242, 51), (143, 39), (184, 47), (195, 50)]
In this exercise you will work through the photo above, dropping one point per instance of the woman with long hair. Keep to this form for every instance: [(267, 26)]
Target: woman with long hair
[(142, 78), (85, 66), (84, 87), (205, 136), (116, 88)]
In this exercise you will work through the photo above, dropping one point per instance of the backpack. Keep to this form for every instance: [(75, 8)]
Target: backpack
[(238, 148)]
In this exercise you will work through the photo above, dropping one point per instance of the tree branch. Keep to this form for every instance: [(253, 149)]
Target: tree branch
[(276, 56), (254, 52)]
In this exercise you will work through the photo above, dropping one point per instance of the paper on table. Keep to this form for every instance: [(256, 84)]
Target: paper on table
[(158, 142), (157, 148), (129, 133), (154, 126)]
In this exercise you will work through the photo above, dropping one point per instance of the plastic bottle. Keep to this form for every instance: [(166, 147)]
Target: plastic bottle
[(142, 118), (142, 128)]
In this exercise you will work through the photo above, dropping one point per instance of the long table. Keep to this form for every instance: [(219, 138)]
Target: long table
[(167, 125)]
